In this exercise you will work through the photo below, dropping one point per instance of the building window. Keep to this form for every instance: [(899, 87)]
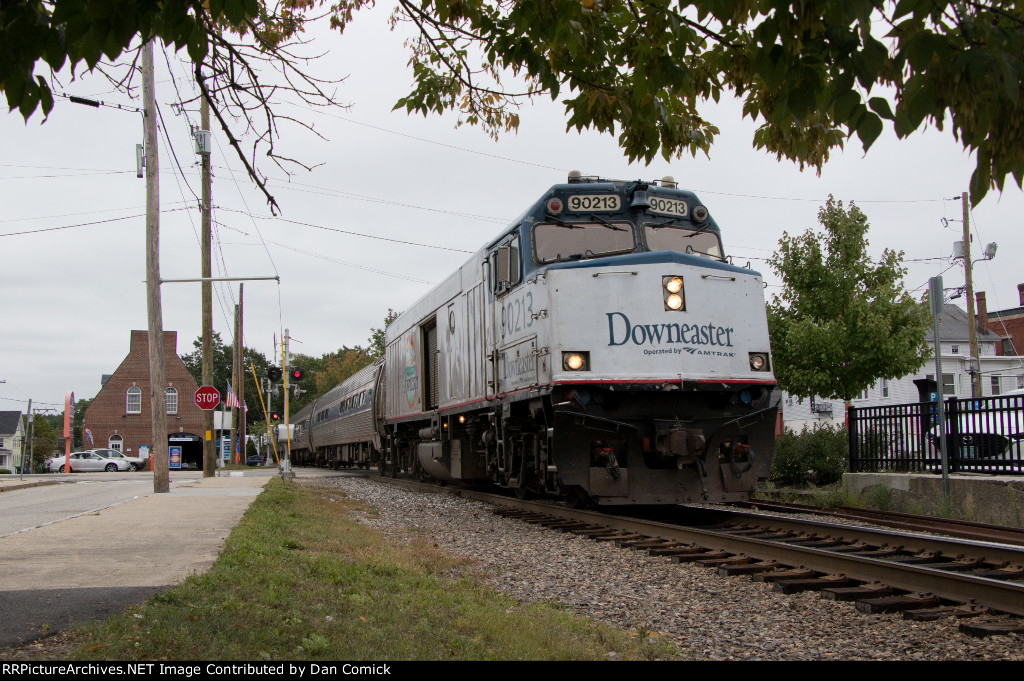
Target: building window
[(995, 385), (171, 397), (956, 350), (862, 395), (134, 402), (885, 387), (115, 442)]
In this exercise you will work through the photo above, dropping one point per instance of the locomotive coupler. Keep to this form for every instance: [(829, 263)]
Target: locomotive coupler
[(685, 445)]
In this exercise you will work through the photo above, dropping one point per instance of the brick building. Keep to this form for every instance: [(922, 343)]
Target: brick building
[(1008, 323), (119, 416)]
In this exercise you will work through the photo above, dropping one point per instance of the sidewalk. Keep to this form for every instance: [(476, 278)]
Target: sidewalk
[(94, 565)]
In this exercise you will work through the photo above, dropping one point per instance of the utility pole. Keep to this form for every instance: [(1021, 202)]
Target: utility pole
[(241, 372), (28, 435), (209, 453), (972, 323), (233, 456), (157, 371), (286, 468)]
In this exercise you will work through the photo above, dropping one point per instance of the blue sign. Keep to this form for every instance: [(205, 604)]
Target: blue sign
[(174, 457)]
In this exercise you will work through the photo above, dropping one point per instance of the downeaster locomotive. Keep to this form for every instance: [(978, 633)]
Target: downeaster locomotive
[(602, 348)]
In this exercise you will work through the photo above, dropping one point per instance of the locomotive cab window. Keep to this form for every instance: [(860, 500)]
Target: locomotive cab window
[(661, 236), (566, 241), (505, 264)]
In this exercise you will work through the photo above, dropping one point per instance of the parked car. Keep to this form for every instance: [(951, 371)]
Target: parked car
[(88, 461), (254, 460), (137, 464)]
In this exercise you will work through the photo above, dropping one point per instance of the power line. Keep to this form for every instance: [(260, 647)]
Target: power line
[(349, 232), (86, 224)]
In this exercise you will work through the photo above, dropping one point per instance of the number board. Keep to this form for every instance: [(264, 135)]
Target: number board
[(666, 206), (594, 203)]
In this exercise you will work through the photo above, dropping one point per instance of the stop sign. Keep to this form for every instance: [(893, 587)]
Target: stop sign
[(207, 397)]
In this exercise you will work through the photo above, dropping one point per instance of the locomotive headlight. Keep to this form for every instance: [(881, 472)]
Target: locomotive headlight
[(576, 361), (759, 361), (672, 290)]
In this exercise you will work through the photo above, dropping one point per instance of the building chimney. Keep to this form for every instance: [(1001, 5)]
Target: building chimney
[(1020, 292), (982, 310)]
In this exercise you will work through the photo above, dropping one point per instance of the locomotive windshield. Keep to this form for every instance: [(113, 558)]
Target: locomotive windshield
[(671, 237), (580, 240)]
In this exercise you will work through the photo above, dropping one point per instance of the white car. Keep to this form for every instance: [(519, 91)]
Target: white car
[(87, 461), (136, 463)]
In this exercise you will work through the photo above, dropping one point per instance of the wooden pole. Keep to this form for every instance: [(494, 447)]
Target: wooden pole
[(972, 323), (233, 455), (157, 371), (209, 451), (241, 373)]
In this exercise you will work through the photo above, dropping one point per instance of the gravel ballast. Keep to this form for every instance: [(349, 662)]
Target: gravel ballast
[(708, 617)]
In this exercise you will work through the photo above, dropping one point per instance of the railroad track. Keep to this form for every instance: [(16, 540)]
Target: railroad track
[(906, 521), (881, 570), (925, 577)]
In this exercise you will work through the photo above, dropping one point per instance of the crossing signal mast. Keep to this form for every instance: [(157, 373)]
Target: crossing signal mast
[(275, 374)]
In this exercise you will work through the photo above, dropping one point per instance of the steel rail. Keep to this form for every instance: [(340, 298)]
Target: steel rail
[(909, 541), (998, 595)]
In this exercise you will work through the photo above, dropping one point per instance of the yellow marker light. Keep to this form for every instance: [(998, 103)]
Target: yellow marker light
[(574, 362), (674, 285), (673, 302)]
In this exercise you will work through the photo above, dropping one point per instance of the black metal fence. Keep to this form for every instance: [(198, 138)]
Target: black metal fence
[(984, 435)]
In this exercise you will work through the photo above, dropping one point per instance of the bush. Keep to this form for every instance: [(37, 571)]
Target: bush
[(817, 457)]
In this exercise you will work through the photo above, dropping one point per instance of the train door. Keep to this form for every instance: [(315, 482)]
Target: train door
[(504, 272)]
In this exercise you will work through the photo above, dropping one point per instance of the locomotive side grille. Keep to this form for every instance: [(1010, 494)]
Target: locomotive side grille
[(430, 348)]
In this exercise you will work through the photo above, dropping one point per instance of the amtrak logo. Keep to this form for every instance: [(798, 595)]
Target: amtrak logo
[(622, 331)]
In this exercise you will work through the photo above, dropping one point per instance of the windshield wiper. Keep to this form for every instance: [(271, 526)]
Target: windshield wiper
[(562, 223), (608, 224), (691, 232)]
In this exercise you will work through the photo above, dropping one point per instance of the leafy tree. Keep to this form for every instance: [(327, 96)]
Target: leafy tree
[(345, 363), (812, 73), (43, 441), (229, 42), (842, 321), (375, 342), (223, 358)]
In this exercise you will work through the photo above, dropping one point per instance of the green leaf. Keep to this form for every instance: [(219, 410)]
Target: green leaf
[(880, 106), (869, 127), (846, 104)]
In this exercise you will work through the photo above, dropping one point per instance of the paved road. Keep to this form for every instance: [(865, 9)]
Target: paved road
[(60, 497), (81, 561)]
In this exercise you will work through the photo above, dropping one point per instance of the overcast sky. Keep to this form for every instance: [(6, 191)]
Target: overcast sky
[(70, 296)]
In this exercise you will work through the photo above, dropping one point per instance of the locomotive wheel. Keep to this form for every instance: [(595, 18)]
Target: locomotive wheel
[(522, 493), (576, 497)]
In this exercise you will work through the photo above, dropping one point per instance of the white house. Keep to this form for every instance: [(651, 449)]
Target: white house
[(10, 440), (999, 374)]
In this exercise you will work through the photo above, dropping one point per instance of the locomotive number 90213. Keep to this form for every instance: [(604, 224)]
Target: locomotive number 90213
[(594, 202)]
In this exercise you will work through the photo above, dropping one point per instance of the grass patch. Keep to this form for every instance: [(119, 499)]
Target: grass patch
[(825, 496), (300, 579)]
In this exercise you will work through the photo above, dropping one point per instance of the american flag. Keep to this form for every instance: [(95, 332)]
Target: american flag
[(88, 435), (231, 400)]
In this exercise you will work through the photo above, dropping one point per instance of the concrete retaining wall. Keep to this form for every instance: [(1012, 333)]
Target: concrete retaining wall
[(983, 499)]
